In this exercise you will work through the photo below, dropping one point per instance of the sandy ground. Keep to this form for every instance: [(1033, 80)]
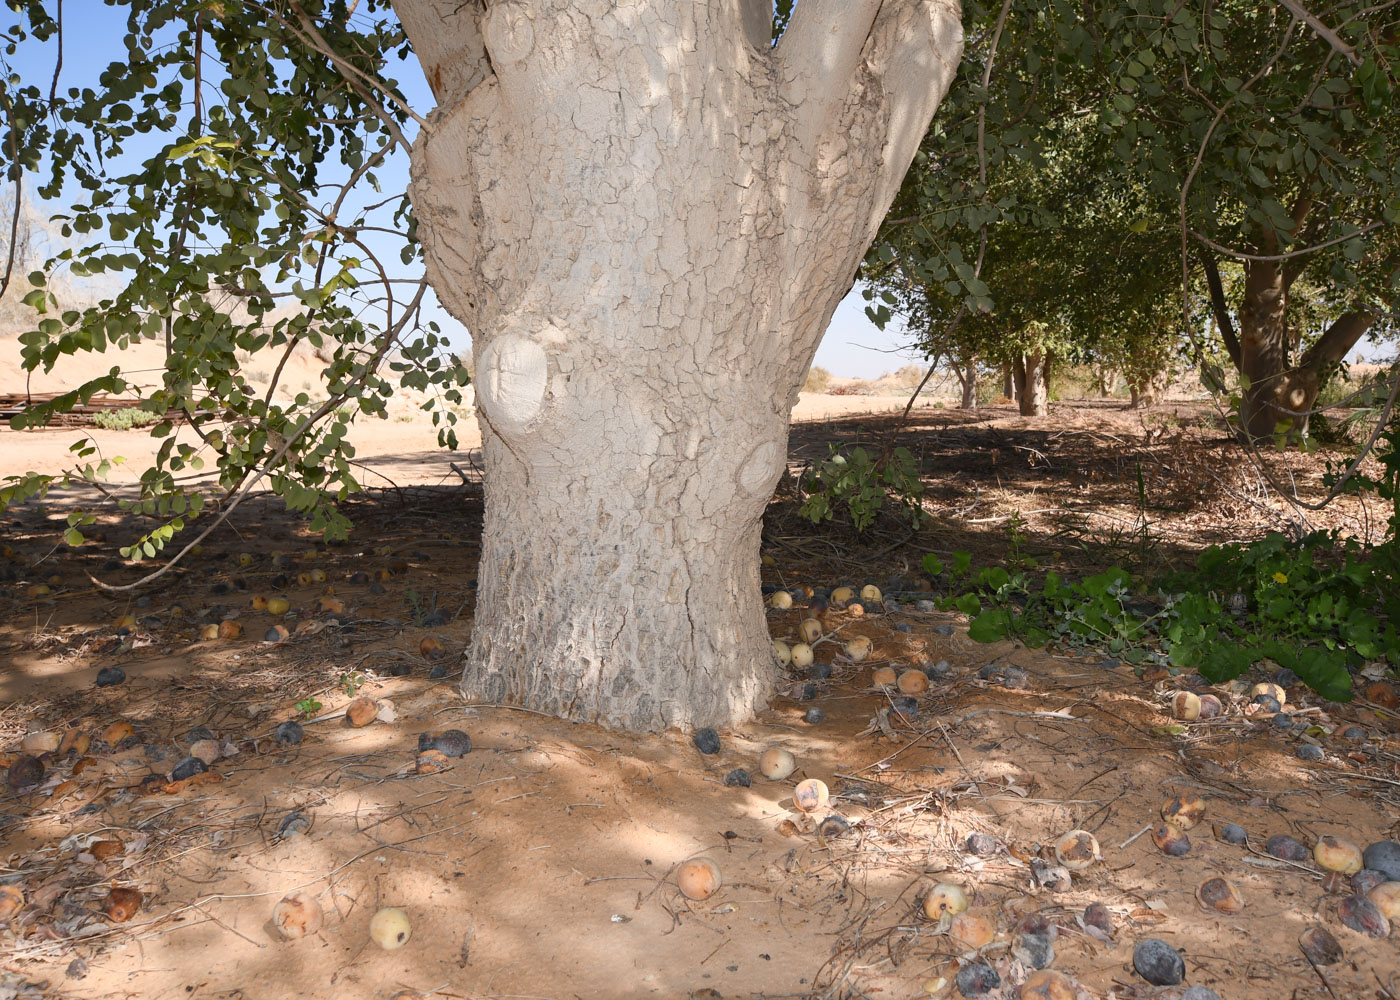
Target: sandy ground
[(404, 451)]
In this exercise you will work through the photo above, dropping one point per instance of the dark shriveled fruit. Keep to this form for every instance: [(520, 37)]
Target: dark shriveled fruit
[(1231, 833), (1363, 916), (738, 778), (706, 740), (1200, 993), (1035, 951), (976, 979), (188, 768), (1285, 848), (25, 772), (1383, 856), (1158, 962), (453, 742), (1367, 879), (1097, 915), (1320, 947), (289, 733)]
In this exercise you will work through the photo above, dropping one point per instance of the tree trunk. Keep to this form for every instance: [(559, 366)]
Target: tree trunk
[(1278, 394), (646, 215), (1034, 375), (967, 375)]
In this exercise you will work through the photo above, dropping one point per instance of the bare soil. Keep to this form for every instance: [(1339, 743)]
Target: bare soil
[(543, 862)]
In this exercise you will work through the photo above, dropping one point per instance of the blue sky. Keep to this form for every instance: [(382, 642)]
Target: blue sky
[(852, 346)]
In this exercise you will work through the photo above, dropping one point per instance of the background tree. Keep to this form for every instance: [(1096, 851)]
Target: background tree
[(645, 213), (1251, 137)]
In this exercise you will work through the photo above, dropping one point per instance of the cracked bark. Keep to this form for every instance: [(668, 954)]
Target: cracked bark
[(646, 216)]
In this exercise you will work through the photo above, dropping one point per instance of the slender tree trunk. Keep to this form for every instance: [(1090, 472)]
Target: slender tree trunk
[(1034, 372), (646, 215), (967, 375), (1010, 381)]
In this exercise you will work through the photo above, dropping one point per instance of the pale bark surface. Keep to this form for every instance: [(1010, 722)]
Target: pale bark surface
[(646, 216), (967, 376), (1033, 384)]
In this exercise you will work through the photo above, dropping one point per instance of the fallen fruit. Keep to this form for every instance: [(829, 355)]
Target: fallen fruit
[(971, 930), (362, 711), (801, 655), (1077, 850), (833, 826), (1310, 751), (981, 844), (126, 623), (1220, 895), (842, 596), (780, 601), (1271, 689), (976, 979), (1367, 879), (120, 733), (1386, 896), (813, 716), (1184, 811), (810, 795), (1047, 984), (1200, 993), (1363, 916), (297, 915), (945, 897), (1337, 855), (453, 743), (122, 904), (188, 768), (277, 633), (775, 763), (1170, 840), (430, 648), (24, 772), (206, 750), (431, 762), (210, 631), (289, 733), (706, 740), (75, 741), (781, 652), (110, 676), (1320, 947), (1099, 916), (278, 605), (1210, 706), (913, 682), (1231, 834), (230, 630), (389, 928), (293, 824), (810, 630), (11, 902), (1034, 951), (1383, 856), (1285, 848), (1158, 962), (41, 742), (1186, 706), (858, 648), (330, 605), (258, 602), (884, 677), (698, 878), (738, 778)]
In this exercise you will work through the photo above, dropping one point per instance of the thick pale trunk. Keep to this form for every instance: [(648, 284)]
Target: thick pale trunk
[(1034, 377), (967, 375), (646, 216), (618, 575)]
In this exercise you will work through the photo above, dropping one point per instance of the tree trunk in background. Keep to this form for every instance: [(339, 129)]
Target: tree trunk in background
[(646, 215), (967, 375), (1146, 393), (1010, 381), (1278, 392), (1033, 374)]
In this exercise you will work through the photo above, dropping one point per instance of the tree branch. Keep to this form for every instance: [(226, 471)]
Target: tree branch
[(1340, 337), (758, 23), (1329, 36), (1221, 309), (450, 43)]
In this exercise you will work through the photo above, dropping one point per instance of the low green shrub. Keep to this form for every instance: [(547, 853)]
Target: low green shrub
[(125, 418)]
